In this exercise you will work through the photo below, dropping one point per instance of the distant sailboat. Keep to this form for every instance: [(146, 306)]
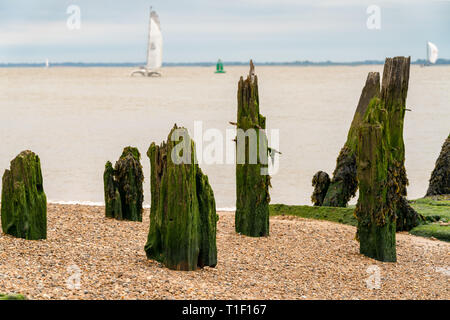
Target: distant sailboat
[(47, 64), (432, 53), (154, 48)]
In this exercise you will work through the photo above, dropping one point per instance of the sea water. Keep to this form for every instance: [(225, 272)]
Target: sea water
[(76, 119)]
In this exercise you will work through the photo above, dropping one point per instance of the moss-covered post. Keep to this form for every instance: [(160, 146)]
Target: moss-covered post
[(344, 184), (375, 214), (123, 187), (130, 178), (320, 182), (24, 204), (208, 221), (393, 99), (252, 178), (183, 215), (381, 171), (113, 205), (440, 177)]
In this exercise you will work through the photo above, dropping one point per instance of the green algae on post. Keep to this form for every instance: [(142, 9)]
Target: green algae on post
[(252, 185), (376, 218), (123, 187), (113, 205), (208, 219), (183, 217), (382, 208), (440, 177), (393, 100), (344, 184), (24, 203), (320, 182)]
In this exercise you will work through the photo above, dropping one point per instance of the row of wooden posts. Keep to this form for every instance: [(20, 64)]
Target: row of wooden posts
[(183, 219)]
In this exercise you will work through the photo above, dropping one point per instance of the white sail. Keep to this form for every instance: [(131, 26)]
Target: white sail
[(432, 52), (155, 43)]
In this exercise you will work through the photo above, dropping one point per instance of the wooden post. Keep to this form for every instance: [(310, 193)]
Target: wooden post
[(208, 221), (113, 205), (320, 182), (382, 207), (24, 203), (123, 187), (393, 97), (183, 217), (440, 177), (252, 179), (344, 184), (375, 214)]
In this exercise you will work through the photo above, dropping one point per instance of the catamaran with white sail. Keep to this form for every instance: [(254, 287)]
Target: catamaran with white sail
[(154, 48)]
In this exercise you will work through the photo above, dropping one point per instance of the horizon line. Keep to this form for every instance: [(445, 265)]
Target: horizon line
[(440, 61)]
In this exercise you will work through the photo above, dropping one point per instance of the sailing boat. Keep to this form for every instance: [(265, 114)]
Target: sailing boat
[(47, 63), (154, 48), (432, 53)]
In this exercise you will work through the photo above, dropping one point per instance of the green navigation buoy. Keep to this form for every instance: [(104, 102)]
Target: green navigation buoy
[(219, 67)]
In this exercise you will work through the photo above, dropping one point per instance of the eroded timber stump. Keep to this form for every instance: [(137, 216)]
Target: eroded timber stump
[(252, 178), (183, 216), (394, 91), (24, 203), (320, 182), (375, 214), (344, 183), (123, 186), (382, 207), (440, 177)]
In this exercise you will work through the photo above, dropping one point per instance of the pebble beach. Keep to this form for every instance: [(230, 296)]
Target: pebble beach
[(88, 256)]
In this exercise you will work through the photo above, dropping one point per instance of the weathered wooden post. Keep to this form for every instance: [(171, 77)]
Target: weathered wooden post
[(183, 215), (344, 184), (123, 187), (113, 205), (24, 204), (320, 182), (252, 178), (440, 177), (381, 171), (374, 211), (208, 220), (393, 97)]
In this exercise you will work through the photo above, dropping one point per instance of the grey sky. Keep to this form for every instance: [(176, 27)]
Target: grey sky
[(234, 30)]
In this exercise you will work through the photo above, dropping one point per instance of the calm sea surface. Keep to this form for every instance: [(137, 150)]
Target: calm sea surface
[(76, 119)]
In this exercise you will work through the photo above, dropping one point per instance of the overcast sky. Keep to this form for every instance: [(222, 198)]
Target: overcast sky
[(234, 30)]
